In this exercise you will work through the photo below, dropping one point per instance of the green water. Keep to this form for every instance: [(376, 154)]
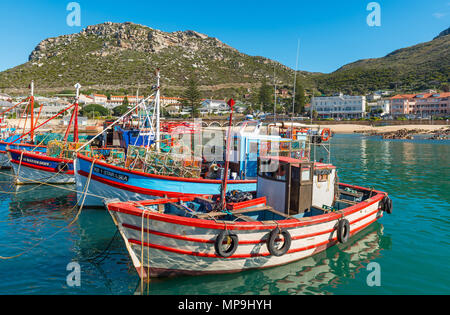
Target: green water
[(411, 246)]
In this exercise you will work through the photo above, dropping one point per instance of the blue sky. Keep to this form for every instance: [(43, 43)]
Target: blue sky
[(331, 33)]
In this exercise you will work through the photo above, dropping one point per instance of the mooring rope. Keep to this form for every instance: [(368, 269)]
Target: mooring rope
[(70, 224)]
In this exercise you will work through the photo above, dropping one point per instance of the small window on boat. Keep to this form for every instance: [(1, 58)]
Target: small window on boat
[(236, 144), (306, 174), (322, 177), (253, 147), (281, 172)]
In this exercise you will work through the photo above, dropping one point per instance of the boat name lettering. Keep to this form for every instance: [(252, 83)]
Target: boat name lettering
[(37, 162), (108, 173)]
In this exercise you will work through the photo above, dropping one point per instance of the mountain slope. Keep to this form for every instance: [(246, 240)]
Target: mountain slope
[(123, 56), (418, 67), (120, 55)]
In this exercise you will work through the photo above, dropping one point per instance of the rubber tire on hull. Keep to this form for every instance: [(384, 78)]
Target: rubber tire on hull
[(386, 204), (219, 242), (62, 167), (343, 231), (273, 237)]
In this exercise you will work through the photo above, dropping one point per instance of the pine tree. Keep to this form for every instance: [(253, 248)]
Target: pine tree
[(300, 98), (265, 96), (192, 97), (125, 101)]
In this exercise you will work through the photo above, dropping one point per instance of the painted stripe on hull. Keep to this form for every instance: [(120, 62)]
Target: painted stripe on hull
[(137, 187), (192, 251)]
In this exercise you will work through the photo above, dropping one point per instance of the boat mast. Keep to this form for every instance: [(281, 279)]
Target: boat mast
[(227, 161), (32, 110), (157, 104), (275, 95), (75, 124)]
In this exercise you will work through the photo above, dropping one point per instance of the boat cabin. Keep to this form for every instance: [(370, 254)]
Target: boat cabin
[(296, 186)]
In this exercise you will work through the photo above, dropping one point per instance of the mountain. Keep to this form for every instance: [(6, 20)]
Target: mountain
[(121, 56), (415, 68)]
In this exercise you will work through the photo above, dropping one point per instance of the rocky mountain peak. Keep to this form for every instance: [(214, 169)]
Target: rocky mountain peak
[(128, 35)]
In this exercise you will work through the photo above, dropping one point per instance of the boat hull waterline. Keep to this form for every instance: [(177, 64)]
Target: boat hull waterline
[(4, 158), (32, 168), (166, 245)]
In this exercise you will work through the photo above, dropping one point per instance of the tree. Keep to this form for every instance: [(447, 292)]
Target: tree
[(192, 97), (300, 98), (265, 96), (120, 110), (125, 101), (94, 109)]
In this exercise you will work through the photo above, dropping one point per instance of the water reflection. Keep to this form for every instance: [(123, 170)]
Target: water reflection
[(313, 275)]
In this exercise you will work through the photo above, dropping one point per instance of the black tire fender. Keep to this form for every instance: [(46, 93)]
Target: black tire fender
[(219, 242), (273, 236), (386, 204), (62, 167), (343, 231)]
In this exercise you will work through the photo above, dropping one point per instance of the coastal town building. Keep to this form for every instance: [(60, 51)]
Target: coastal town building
[(381, 107), (99, 99), (214, 106), (422, 105), (5, 97), (117, 100), (339, 106)]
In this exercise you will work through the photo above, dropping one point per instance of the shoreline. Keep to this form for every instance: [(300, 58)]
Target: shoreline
[(354, 128)]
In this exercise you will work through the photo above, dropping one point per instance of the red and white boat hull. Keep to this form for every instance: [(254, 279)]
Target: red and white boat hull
[(163, 245)]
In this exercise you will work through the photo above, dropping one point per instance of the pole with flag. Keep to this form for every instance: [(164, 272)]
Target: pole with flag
[(227, 162)]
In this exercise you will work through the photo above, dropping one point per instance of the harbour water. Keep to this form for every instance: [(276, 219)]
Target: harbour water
[(411, 247)]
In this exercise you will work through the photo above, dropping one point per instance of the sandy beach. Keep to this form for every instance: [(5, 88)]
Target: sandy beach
[(351, 128)]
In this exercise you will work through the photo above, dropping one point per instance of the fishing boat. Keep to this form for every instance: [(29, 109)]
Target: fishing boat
[(10, 135), (55, 165), (150, 172), (299, 209)]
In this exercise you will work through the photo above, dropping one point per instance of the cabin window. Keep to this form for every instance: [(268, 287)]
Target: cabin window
[(306, 174), (236, 143), (322, 177), (253, 147)]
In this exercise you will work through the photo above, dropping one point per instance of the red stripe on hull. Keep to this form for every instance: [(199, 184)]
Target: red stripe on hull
[(139, 190), (41, 168), (207, 255), (199, 240), (160, 272), (202, 223)]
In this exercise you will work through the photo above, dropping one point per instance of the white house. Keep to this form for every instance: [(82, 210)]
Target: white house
[(339, 106), (5, 97), (214, 106), (99, 99), (85, 99), (383, 105)]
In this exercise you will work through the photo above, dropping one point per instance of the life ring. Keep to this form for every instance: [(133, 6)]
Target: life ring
[(273, 236), (328, 132), (218, 244), (386, 204), (343, 231), (61, 167)]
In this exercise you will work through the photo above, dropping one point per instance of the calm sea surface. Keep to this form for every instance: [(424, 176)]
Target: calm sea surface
[(411, 246)]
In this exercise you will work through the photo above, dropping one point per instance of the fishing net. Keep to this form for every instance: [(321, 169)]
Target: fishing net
[(172, 163)]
